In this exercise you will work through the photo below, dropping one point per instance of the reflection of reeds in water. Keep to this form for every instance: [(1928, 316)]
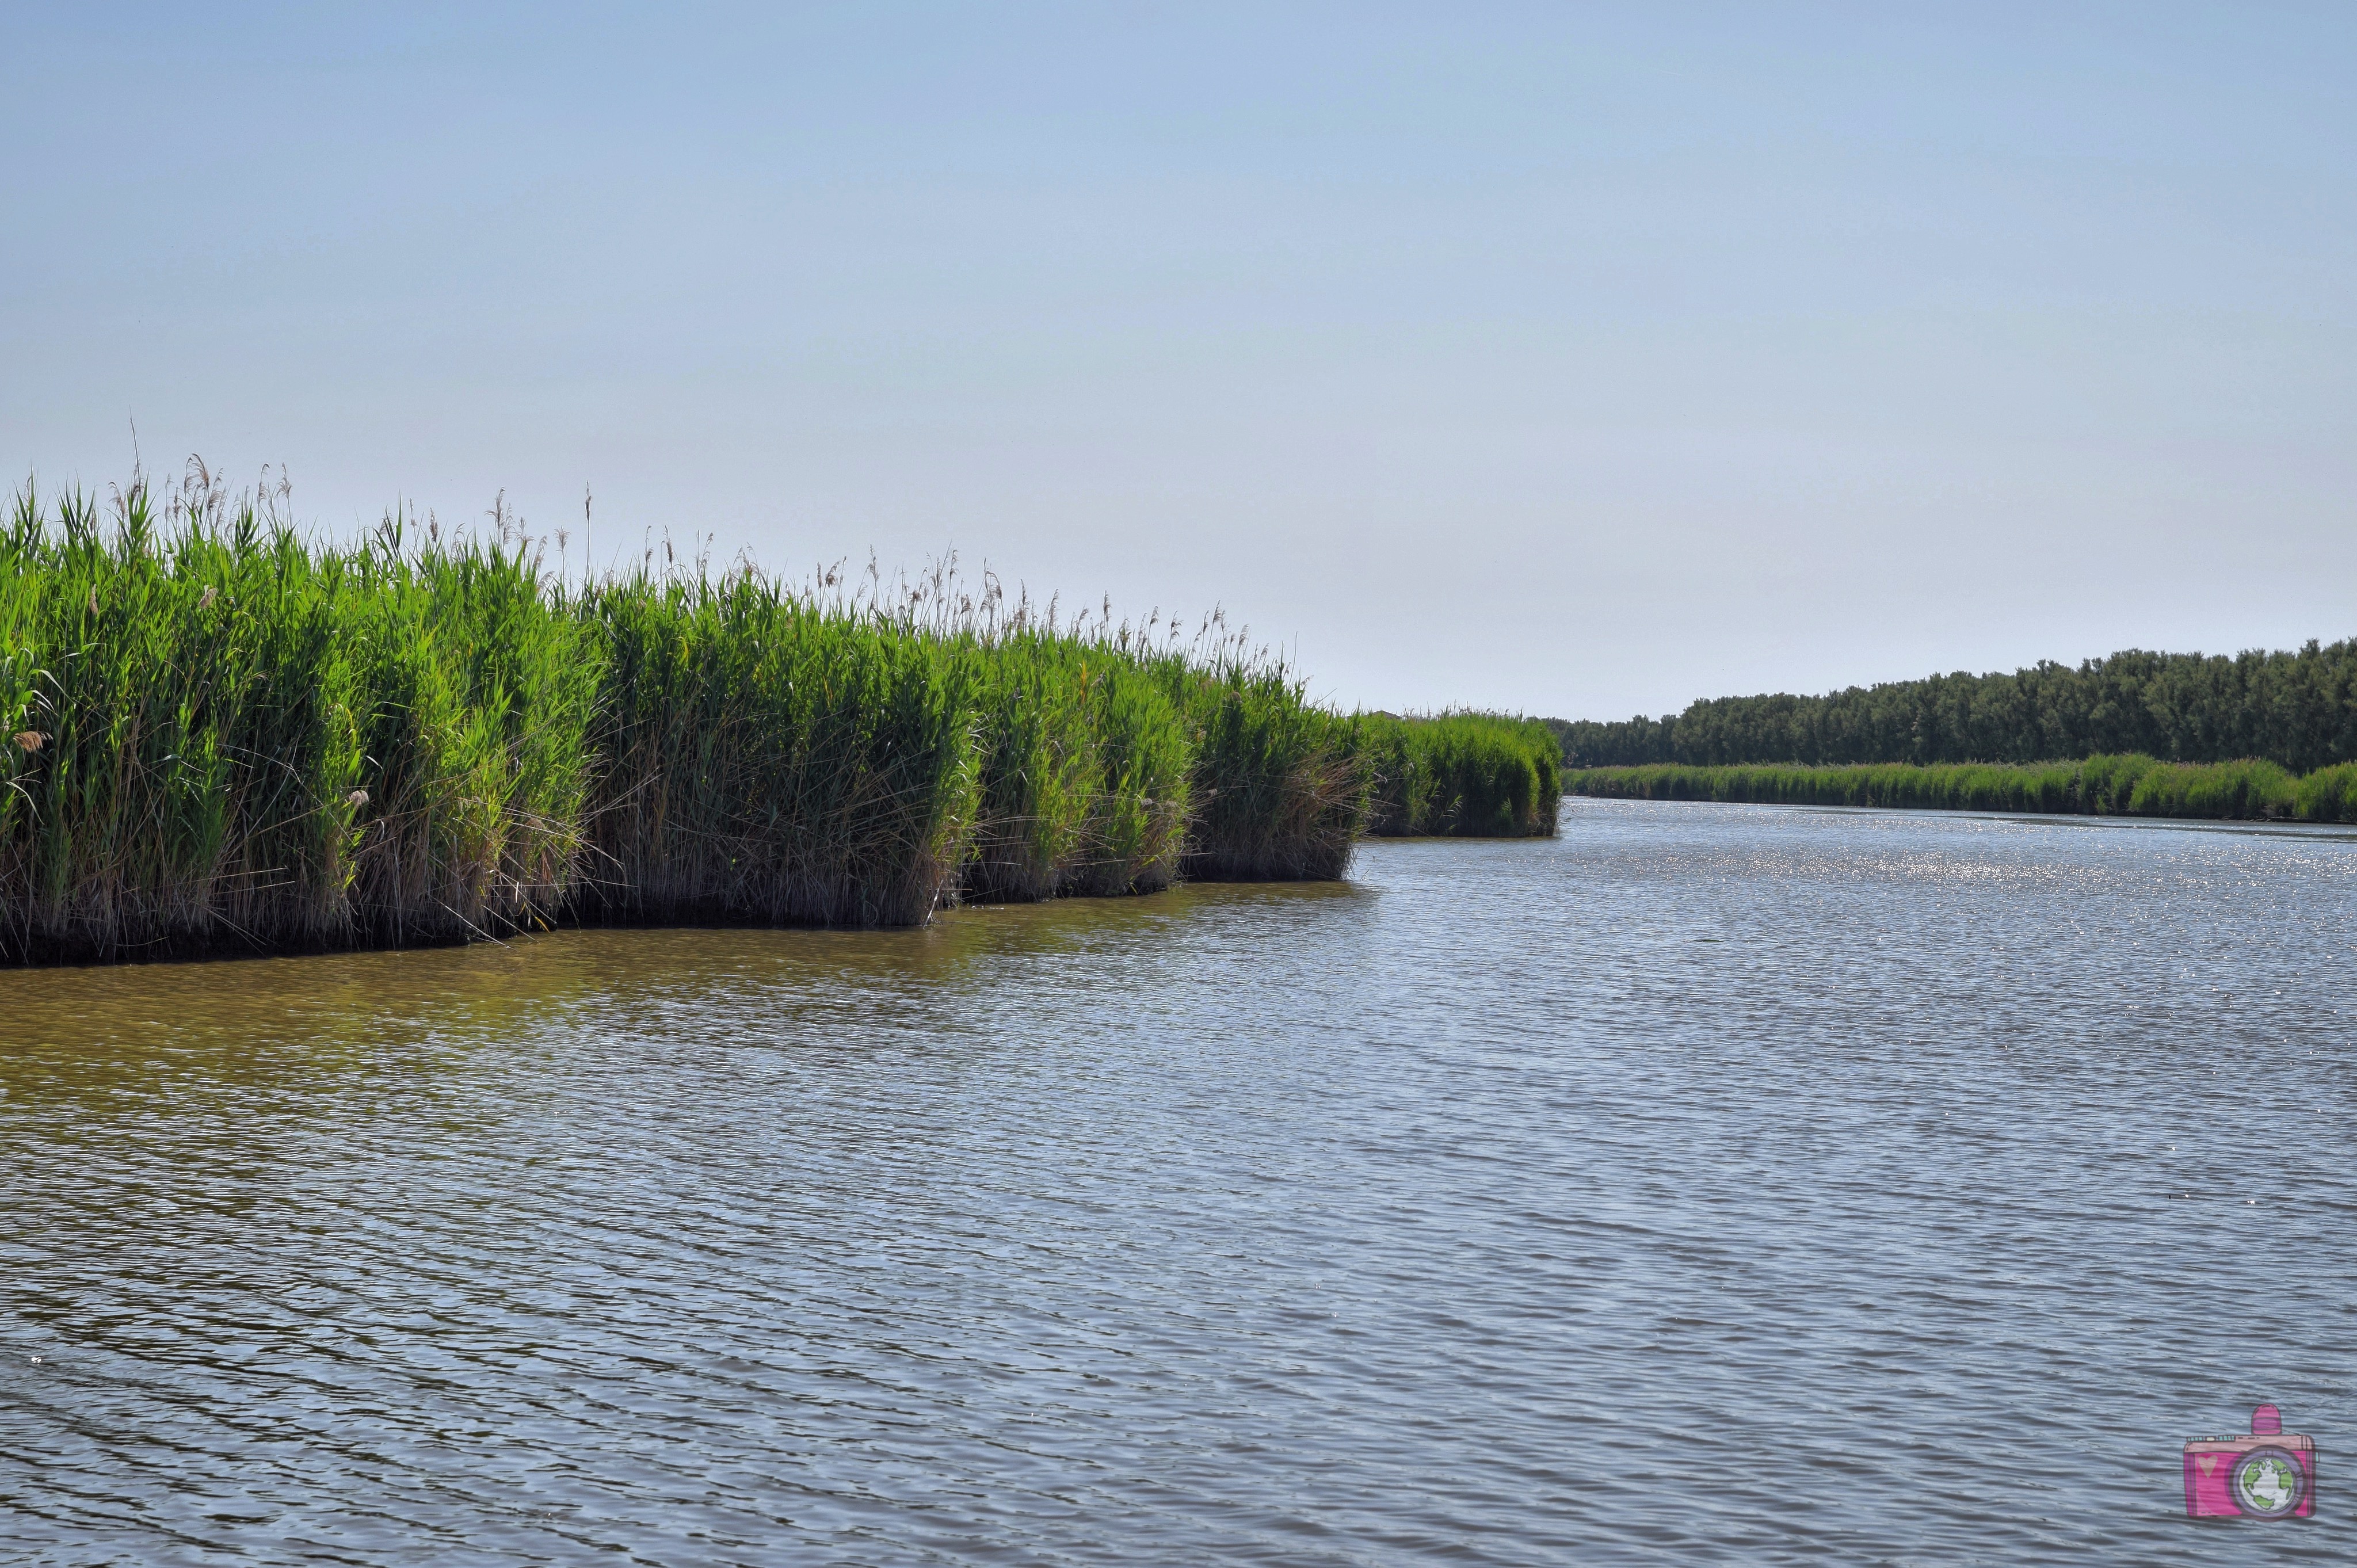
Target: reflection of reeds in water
[(2125, 785), (225, 737)]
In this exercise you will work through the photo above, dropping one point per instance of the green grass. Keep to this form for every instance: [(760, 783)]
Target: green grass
[(2129, 784), (1464, 775), (222, 737), (761, 758), (1141, 796), (1280, 785)]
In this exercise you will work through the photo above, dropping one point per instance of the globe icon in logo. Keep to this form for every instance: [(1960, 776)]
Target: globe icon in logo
[(2267, 1482)]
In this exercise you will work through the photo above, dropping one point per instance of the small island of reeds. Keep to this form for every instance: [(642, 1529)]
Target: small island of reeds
[(224, 736)]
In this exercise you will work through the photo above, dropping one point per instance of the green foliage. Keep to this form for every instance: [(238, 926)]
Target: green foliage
[(2327, 795), (2125, 785), (1280, 785), (480, 696), (1139, 807), (1467, 775), (2298, 710), (221, 737), (1040, 770), (763, 758)]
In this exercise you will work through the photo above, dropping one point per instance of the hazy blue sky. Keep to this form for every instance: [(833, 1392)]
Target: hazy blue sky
[(1578, 360)]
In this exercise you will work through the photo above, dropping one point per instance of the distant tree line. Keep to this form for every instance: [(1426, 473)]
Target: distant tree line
[(2296, 709)]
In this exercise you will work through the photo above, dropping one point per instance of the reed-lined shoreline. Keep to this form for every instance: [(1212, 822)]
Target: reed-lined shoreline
[(225, 737), (2121, 785), (1464, 775)]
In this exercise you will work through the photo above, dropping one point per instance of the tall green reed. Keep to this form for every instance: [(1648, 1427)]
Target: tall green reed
[(224, 736), (1041, 771), (1280, 785), (1139, 814), (1464, 775), (484, 695), (1086, 768), (761, 759)]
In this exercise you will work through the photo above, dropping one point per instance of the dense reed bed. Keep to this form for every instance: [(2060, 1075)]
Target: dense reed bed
[(222, 737), (1281, 784), (2125, 785), (757, 756), (219, 733), (1464, 775)]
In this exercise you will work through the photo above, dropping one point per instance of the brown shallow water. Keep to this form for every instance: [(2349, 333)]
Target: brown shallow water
[(1711, 1184)]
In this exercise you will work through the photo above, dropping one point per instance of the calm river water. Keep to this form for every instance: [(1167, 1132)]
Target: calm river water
[(1711, 1184)]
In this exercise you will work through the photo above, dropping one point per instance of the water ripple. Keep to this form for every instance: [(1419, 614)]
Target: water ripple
[(1712, 1184)]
